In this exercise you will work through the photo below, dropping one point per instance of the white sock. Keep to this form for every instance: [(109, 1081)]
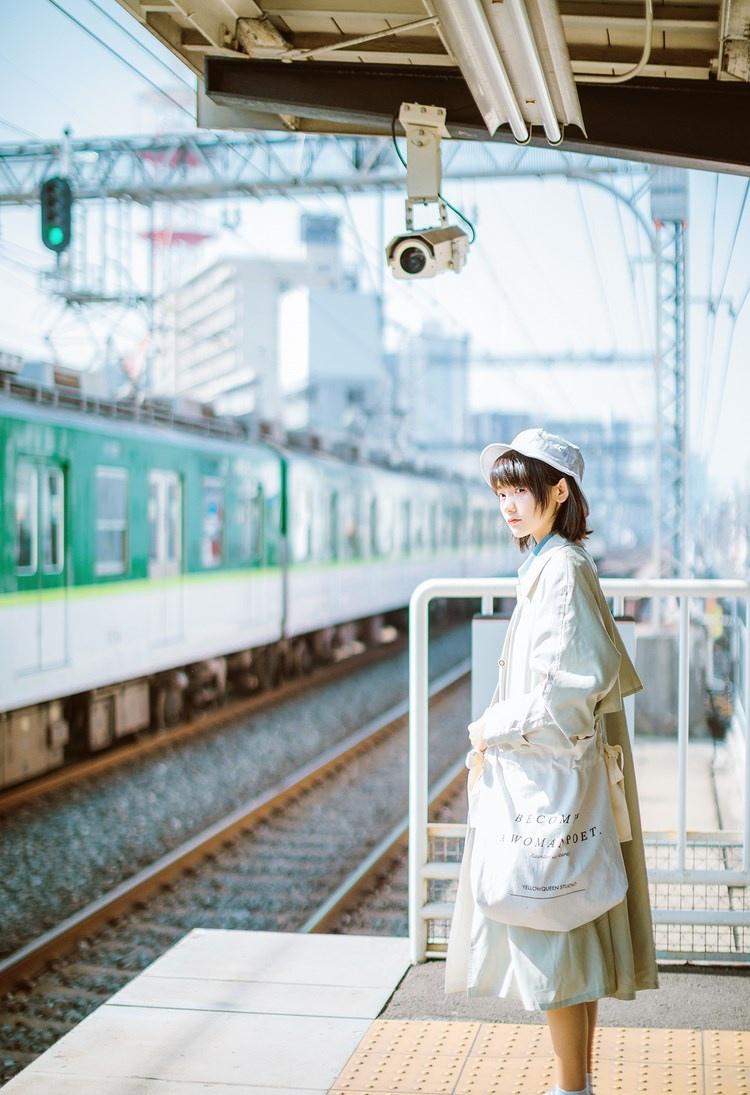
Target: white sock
[(564, 1091), (590, 1083)]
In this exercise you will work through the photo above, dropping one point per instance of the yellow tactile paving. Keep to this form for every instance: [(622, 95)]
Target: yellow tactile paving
[(485, 1075), (727, 1081), (506, 1040), (730, 1047), (431, 1057), (418, 1037), (649, 1044)]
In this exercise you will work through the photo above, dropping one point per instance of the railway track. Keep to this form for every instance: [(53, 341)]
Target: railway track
[(374, 901), (307, 843)]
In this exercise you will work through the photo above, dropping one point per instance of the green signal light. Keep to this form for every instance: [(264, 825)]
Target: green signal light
[(55, 235)]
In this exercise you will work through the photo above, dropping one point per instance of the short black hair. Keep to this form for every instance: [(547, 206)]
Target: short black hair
[(514, 469)]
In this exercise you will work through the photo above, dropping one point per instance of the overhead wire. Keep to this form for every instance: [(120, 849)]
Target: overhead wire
[(710, 318), (631, 278), (46, 89), (636, 303), (19, 129), (597, 267), (725, 369), (354, 229), (141, 45), (720, 295), (121, 59), (528, 252)]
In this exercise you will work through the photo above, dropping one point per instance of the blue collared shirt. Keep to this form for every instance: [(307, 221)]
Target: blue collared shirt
[(551, 540), (538, 547)]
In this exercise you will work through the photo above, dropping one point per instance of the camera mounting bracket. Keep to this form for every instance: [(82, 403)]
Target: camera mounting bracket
[(425, 128)]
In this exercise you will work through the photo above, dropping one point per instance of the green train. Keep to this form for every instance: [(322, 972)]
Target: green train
[(153, 559)]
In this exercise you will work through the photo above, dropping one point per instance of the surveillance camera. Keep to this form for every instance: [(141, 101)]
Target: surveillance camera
[(426, 253)]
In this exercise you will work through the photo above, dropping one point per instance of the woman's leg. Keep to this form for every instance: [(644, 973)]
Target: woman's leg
[(591, 1006), (569, 1030)]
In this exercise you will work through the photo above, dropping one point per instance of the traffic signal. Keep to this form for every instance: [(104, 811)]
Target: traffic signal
[(56, 201)]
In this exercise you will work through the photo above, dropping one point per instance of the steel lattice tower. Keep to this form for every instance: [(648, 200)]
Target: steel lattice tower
[(669, 211)]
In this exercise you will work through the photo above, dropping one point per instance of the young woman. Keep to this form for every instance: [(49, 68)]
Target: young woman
[(563, 666)]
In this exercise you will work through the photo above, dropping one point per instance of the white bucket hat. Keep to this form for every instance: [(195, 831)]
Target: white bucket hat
[(537, 442)]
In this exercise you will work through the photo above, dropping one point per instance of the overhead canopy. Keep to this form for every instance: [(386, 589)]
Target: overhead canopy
[(688, 105)]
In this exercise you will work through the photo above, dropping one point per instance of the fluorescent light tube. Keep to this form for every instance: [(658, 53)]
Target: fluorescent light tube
[(533, 49), (533, 68), (466, 33)]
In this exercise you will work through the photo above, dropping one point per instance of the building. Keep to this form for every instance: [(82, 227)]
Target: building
[(294, 341), (219, 335), (433, 390)]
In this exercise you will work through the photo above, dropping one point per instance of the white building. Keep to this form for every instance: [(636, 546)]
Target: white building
[(433, 390), (220, 335), (293, 341), (331, 341)]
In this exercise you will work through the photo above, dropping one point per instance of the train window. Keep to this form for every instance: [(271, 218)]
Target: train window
[(434, 526), (350, 525), (173, 519), (320, 530), (405, 526), (454, 521), (333, 525), (213, 523), (476, 528), (418, 526), (53, 520), (446, 526), (164, 523), (153, 519), (111, 521), (26, 519), (387, 527), (374, 526), (250, 521), (301, 532)]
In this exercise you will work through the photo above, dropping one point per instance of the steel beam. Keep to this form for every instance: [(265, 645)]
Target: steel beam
[(687, 123)]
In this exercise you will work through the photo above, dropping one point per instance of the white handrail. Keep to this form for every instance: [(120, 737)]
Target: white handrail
[(486, 589)]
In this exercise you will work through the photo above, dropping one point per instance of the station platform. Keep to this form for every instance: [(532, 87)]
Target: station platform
[(262, 1013), (275, 1013)]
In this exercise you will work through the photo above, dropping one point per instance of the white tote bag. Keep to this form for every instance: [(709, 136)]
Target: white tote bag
[(546, 851)]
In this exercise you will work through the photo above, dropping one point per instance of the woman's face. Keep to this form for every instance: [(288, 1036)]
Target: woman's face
[(523, 514)]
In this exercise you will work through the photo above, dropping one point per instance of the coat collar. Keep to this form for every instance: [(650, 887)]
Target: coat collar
[(532, 566)]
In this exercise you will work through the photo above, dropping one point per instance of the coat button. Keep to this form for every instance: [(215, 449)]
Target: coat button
[(501, 661)]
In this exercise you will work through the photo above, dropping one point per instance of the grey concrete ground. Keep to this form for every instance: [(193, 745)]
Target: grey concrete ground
[(698, 1000)]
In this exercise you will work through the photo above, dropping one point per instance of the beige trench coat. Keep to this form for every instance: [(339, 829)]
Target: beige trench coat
[(563, 666)]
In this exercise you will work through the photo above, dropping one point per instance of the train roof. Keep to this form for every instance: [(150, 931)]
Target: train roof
[(176, 419)]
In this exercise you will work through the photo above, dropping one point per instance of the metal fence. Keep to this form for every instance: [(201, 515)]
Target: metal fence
[(699, 882)]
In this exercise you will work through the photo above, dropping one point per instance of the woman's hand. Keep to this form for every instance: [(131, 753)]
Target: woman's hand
[(476, 734)]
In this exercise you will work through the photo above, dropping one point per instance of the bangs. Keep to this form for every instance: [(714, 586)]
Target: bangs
[(512, 469)]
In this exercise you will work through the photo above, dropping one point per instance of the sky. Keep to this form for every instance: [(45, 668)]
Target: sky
[(558, 267)]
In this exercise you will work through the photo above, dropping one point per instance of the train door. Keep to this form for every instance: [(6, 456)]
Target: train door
[(165, 555), (41, 564)]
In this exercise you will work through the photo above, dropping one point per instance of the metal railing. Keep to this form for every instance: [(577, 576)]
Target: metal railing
[(700, 861)]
